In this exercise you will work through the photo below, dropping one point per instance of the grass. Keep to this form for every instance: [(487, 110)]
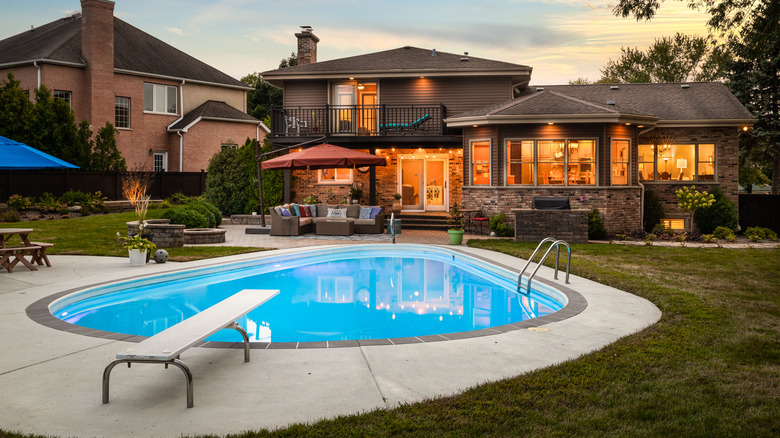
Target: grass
[(709, 367), (96, 235)]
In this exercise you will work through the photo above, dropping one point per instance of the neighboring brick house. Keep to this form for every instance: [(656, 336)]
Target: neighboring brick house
[(460, 129), (171, 111)]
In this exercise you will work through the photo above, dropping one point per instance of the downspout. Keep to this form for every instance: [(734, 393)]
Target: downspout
[(35, 63), (642, 187), (181, 137)]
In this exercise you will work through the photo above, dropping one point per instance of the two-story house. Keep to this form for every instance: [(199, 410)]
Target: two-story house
[(171, 111), (457, 128)]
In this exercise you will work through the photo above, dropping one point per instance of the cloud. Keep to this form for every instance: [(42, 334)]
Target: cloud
[(175, 30)]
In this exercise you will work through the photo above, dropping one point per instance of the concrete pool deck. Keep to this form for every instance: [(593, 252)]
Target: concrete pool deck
[(50, 380)]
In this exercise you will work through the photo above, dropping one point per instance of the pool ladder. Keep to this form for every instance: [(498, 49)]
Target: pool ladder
[(554, 243)]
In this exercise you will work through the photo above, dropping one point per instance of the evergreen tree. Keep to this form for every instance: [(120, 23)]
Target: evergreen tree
[(105, 155)]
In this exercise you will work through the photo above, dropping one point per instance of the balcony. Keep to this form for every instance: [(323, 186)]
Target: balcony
[(357, 121)]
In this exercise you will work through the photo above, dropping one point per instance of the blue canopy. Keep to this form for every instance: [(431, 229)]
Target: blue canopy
[(19, 156)]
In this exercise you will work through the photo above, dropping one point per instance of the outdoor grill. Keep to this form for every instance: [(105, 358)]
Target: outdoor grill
[(551, 203)]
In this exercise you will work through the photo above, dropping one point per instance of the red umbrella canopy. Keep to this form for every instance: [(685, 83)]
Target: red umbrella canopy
[(324, 156)]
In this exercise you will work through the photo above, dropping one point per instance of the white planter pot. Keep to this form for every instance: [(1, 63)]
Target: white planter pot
[(137, 257)]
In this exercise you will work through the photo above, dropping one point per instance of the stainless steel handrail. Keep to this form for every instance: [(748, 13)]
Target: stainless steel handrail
[(392, 225), (555, 243)]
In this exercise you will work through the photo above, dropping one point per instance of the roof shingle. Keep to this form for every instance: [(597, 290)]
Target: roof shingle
[(213, 109)]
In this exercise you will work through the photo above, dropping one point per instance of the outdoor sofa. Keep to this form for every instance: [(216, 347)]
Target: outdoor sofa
[(295, 224)]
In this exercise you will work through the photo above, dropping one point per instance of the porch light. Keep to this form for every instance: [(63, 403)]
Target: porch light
[(361, 86), (640, 126), (628, 124), (474, 126), (745, 128), (351, 79), (550, 123)]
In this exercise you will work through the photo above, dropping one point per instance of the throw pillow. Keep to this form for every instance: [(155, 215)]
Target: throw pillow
[(337, 212), (305, 211), (313, 210), (374, 212), (297, 209), (365, 212), (285, 212)]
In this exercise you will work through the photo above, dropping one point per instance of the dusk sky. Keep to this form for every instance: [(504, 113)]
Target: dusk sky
[(560, 39)]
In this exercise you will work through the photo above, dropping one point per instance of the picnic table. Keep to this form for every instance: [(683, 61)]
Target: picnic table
[(11, 255)]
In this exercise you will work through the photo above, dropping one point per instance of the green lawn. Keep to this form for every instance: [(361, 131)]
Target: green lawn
[(96, 235), (709, 367)]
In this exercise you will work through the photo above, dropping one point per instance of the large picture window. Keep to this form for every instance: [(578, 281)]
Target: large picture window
[(551, 162), (480, 162), (160, 98), (335, 176), (677, 162)]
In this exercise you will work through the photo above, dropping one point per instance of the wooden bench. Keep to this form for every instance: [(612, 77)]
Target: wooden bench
[(40, 256), (166, 346), (10, 257)]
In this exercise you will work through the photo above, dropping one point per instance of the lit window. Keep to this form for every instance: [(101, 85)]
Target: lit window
[(161, 161), (674, 224), (64, 95), (122, 112), (519, 162), (480, 162), (335, 176), (580, 162), (620, 150), (160, 98), (675, 162)]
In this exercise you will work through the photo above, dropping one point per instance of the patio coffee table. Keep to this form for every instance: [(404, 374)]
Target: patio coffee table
[(336, 227)]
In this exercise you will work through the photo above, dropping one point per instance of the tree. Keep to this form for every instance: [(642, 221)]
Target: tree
[(580, 81), (105, 156), (15, 111), (680, 58), (726, 16), (264, 96), (755, 79)]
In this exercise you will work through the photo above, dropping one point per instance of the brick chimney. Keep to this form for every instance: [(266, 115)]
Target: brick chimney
[(97, 49), (307, 46)]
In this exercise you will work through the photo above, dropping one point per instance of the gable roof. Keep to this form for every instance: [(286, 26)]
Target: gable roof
[(135, 52), (214, 110), (667, 104), (402, 62)]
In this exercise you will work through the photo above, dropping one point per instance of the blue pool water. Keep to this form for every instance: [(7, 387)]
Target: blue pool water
[(366, 292)]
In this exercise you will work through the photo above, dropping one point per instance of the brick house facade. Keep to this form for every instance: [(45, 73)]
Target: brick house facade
[(104, 63)]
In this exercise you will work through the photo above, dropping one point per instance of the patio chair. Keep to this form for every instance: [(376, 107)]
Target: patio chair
[(403, 128)]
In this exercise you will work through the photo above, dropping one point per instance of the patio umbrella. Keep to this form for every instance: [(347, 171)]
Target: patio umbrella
[(324, 156), (19, 156)]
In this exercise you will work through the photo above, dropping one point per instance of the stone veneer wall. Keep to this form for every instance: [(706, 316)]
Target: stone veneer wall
[(619, 206), (534, 225), (160, 231), (305, 182)]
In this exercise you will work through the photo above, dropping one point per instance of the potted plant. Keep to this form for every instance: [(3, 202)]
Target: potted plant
[(455, 222), (138, 247), (396, 208), (356, 192)]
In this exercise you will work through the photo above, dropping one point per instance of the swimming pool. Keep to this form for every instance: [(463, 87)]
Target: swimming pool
[(326, 294)]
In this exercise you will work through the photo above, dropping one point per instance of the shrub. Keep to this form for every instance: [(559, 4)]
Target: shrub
[(499, 226), (311, 199), (188, 217), (723, 213), (181, 199), (49, 204), (621, 236), (9, 216), (760, 233), (208, 210), (708, 238), (19, 202), (724, 233), (89, 202), (596, 229), (654, 211), (165, 204)]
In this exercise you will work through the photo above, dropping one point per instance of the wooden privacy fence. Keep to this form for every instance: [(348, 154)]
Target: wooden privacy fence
[(759, 211), (57, 182)]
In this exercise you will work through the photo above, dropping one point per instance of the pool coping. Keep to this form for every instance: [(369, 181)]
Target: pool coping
[(39, 312)]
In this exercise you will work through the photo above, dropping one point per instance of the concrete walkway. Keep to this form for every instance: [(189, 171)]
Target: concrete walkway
[(50, 380)]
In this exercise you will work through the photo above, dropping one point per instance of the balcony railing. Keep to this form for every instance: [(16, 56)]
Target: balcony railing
[(357, 120)]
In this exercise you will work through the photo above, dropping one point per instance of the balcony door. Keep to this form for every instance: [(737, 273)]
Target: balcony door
[(354, 108), (424, 183)]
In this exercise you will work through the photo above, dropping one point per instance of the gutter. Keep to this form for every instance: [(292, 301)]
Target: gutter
[(42, 61)]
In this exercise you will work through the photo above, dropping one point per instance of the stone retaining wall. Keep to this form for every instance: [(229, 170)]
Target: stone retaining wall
[(535, 225), (167, 235), (200, 236), (248, 219)]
